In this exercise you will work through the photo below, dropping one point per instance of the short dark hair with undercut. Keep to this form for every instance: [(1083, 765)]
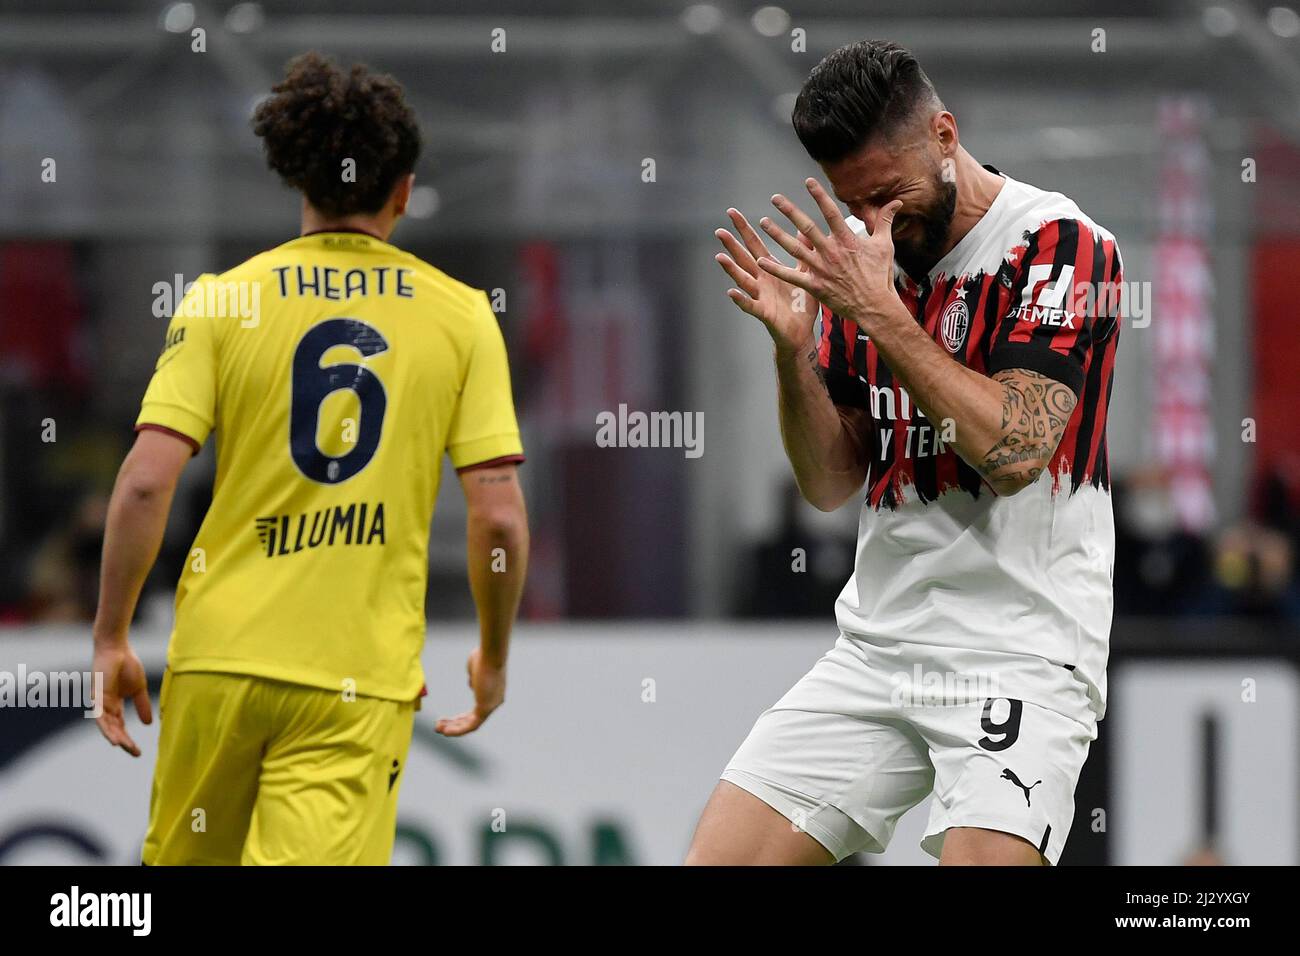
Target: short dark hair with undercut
[(866, 88), (320, 115)]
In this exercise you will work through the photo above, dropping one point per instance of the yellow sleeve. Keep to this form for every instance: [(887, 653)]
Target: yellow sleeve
[(483, 428), (182, 395)]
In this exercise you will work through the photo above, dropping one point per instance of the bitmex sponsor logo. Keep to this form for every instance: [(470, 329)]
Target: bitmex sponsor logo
[(74, 690), (1049, 307), (1046, 315), (131, 910), (357, 523)]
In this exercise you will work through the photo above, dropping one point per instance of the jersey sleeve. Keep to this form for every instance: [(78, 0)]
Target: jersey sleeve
[(483, 429), (1064, 300), (833, 357), (182, 395)]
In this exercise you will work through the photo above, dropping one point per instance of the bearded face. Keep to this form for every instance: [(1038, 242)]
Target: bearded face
[(922, 241), (913, 172)]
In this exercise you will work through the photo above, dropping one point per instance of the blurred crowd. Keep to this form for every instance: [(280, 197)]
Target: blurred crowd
[(1246, 569)]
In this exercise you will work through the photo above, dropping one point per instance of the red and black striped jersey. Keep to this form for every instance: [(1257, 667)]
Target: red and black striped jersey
[(1044, 298), (968, 580)]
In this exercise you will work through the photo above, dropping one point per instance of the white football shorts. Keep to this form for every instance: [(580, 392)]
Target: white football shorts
[(870, 732)]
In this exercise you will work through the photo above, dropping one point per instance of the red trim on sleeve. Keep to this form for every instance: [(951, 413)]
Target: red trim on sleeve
[(146, 426), (492, 463)]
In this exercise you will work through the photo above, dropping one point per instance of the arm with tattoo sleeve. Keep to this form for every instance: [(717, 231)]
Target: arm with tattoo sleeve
[(1035, 411)]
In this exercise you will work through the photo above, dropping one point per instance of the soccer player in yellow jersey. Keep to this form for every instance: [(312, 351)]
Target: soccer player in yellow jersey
[(333, 371)]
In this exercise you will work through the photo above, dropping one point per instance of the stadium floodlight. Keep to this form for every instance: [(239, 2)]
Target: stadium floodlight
[(1219, 21), (424, 202), (702, 18), (177, 17), (1284, 22), (245, 18), (771, 21)]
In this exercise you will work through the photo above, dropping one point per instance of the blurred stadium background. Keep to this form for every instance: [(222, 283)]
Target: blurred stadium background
[(578, 156)]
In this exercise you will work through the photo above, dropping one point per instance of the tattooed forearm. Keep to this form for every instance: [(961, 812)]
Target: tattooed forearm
[(1035, 411), (816, 366)]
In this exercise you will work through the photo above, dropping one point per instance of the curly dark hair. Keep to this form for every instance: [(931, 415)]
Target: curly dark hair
[(318, 116), (860, 90)]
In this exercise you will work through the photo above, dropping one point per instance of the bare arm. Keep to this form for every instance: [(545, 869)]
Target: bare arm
[(497, 544), (824, 442), (497, 554), (1035, 411), (137, 517)]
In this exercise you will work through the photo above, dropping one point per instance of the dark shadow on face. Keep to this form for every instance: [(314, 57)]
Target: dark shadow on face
[(920, 253), (918, 256), (881, 173)]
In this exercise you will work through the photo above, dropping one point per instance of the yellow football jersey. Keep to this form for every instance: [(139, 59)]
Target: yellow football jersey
[(334, 370)]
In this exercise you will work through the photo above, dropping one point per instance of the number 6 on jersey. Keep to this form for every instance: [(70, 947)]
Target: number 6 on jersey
[(312, 383)]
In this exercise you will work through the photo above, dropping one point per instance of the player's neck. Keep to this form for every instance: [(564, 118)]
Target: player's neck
[(380, 226), (976, 190)]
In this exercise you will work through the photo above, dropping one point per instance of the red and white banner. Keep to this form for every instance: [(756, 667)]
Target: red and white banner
[(1184, 330)]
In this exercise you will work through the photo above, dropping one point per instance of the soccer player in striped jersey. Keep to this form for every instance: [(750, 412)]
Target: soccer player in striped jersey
[(959, 384), (334, 371)]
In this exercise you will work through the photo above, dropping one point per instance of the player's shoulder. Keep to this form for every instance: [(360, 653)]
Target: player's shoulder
[(256, 270), (205, 300), (1030, 211), (221, 297), (451, 292)]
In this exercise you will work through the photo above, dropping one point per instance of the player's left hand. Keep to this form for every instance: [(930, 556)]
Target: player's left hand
[(853, 275), (488, 682), (124, 679)]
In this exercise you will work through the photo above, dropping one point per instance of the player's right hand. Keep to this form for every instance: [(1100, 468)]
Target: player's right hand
[(785, 310), (489, 685)]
